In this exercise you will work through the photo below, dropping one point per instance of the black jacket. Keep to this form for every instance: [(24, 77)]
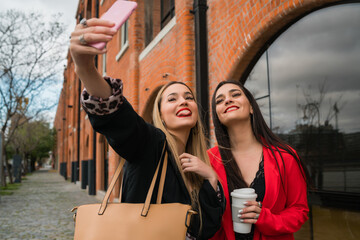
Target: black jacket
[(141, 145)]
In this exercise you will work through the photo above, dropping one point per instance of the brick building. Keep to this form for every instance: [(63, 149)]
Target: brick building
[(166, 40)]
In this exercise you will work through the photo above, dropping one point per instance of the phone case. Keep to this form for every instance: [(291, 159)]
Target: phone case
[(118, 13)]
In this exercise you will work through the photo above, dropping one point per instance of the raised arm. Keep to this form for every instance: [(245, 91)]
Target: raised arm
[(109, 112), (95, 30)]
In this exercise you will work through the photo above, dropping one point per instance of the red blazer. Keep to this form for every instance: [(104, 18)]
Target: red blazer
[(282, 213)]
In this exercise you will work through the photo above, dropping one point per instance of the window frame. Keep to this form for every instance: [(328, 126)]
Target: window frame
[(104, 64), (123, 40)]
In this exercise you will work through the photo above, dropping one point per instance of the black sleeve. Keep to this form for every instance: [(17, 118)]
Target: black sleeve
[(213, 205), (127, 133)]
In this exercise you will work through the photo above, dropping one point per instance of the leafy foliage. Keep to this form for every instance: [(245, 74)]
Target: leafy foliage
[(33, 140)]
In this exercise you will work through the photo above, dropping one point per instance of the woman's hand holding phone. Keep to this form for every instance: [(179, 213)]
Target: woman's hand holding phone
[(96, 30), (83, 54), (118, 13), (89, 39)]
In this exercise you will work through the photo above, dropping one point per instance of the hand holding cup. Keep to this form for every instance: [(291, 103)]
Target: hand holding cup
[(244, 209), (251, 212)]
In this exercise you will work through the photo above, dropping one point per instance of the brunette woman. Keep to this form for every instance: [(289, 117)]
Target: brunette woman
[(189, 178), (249, 154)]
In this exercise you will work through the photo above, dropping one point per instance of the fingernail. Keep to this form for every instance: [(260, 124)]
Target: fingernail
[(239, 215), (241, 220), (245, 203), (240, 211)]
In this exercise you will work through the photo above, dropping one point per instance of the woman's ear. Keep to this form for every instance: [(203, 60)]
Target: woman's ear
[(251, 110)]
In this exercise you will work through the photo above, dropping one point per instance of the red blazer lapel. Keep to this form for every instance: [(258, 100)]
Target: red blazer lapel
[(218, 166), (272, 179)]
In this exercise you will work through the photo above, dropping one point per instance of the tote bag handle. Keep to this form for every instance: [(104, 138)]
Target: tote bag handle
[(146, 206)]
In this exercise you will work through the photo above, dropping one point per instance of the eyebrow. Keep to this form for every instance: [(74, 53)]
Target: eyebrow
[(171, 94), (175, 94), (230, 91)]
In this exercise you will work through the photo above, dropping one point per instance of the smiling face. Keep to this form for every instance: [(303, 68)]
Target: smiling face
[(232, 105), (178, 108)]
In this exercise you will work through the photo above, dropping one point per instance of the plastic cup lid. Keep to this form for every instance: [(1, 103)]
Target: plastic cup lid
[(244, 192)]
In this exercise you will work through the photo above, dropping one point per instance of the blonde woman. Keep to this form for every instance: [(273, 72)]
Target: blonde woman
[(189, 178)]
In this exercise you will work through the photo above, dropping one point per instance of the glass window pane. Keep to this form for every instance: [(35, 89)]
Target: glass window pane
[(257, 81), (314, 79), (165, 7), (167, 11)]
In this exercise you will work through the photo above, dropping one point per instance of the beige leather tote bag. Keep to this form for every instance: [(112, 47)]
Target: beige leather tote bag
[(133, 221)]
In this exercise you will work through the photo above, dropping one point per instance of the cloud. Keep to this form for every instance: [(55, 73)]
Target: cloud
[(322, 47), (318, 30), (47, 7)]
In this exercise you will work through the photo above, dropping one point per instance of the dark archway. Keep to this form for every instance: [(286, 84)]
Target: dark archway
[(147, 113)]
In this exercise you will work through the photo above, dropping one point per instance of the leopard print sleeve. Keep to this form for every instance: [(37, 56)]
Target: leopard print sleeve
[(103, 106)]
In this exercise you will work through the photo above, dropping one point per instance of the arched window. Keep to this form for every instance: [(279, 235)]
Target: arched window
[(308, 86)]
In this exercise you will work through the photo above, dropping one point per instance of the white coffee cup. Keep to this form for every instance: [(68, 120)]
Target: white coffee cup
[(239, 196)]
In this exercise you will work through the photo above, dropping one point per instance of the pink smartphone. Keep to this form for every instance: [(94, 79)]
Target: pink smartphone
[(118, 13)]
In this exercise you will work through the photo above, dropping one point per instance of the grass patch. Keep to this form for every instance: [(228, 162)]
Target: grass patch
[(5, 193), (11, 187)]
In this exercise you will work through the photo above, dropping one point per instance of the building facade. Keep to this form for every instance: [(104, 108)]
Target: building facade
[(203, 42)]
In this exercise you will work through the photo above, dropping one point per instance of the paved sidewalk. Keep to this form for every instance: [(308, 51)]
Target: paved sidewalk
[(40, 208)]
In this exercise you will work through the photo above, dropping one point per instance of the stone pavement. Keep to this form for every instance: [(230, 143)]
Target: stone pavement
[(40, 208)]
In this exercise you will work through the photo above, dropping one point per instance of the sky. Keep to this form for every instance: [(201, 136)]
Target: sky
[(321, 48), (48, 7)]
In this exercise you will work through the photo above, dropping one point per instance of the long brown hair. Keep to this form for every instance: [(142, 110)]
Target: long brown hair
[(263, 135), (196, 145)]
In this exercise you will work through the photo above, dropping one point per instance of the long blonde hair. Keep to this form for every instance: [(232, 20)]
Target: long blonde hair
[(196, 145)]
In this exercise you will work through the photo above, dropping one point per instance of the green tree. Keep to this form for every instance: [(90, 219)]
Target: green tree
[(33, 140)]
